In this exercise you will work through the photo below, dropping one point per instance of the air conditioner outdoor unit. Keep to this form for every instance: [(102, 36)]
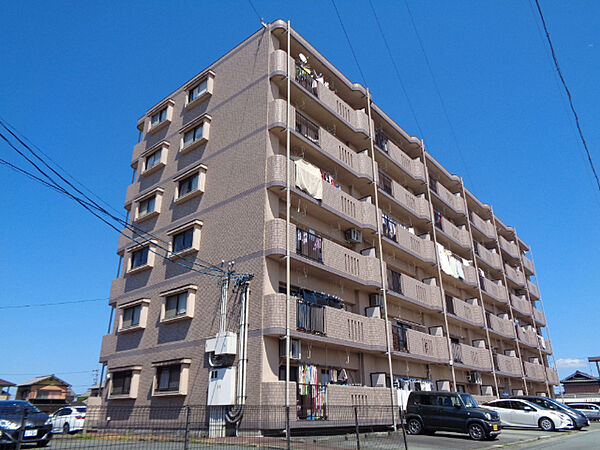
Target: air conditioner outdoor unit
[(295, 348), (376, 300), (353, 236)]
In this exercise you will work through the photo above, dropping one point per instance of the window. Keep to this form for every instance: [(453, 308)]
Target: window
[(158, 117), (152, 160), (175, 305), (197, 91), (178, 304), (139, 257), (190, 183), (192, 135), (199, 88), (121, 382), (171, 377), (148, 205), (183, 240), (131, 316)]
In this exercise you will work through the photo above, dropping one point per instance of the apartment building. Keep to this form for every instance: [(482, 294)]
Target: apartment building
[(464, 311)]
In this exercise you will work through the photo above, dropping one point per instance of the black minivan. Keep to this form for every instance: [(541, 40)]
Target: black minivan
[(428, 412)]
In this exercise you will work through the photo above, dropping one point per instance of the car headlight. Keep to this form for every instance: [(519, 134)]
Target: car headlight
[(488, 416), (48, 421), (8, 425), (564, 417)]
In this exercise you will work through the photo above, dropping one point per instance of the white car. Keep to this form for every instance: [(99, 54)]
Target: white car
[(68, 420), (521, 413)]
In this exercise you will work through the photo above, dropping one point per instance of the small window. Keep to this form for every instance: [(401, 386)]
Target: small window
[(158, 117), (167, 378), (131, 316), (176, 305), (121, 382), (139, 257), (188, 185), (152, 159), (192, 135), (147, 206), (197, 91), (183, 240)]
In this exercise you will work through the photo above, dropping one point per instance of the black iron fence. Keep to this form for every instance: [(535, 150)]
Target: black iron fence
[(191, 427)]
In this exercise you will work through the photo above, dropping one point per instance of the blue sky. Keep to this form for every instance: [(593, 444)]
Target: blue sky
[(76, 76)]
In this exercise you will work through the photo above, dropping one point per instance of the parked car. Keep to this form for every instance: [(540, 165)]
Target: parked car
[(37, 429), (68, 420), (521, 413), (428, 412), (591, 411), (579, 419)]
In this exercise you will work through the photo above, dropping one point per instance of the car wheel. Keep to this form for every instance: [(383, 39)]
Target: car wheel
[(476, 432), (42, 443), (66, 428), (546, 424), (414, 426)]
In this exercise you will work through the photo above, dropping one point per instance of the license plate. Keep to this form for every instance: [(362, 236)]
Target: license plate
[(30, 433), (495, 427)]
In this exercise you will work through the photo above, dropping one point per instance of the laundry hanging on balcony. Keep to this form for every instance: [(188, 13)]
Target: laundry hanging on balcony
[(449, 263), (309, 179)]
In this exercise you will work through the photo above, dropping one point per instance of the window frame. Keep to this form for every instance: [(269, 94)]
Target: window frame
[(190, 291), (209, 78), (196, 227), (151, 246), (143, 304), (134, 381), (202, 121), (163, 148), (184, 370), (200, 171), (158, 195), (166, 106)]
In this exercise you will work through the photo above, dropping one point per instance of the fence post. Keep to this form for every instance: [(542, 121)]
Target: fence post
[(287, 427), (187, 428), (21, 429), (356, 426)]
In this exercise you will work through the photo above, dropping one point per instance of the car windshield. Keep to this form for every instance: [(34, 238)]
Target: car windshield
[(82, 410), (559, 405), (469, 401), (12, 407)]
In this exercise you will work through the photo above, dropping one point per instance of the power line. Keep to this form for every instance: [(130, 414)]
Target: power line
[(397, 71), (37, 305), (437, 89), (53, 373), (255, 11), (564, 83), (349, 43)]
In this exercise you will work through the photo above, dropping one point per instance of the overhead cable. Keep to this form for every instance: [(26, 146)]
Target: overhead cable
[(362, 75)]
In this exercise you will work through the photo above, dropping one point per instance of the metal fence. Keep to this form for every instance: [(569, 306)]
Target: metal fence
[(191, 427)]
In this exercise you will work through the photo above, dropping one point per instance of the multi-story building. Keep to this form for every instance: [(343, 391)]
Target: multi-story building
[(209, 183)]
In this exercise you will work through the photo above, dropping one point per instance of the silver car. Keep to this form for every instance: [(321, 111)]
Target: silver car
[(589, 409)]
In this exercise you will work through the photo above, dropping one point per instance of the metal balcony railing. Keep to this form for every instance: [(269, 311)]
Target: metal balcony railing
[(307, 81), (309, 244), (394, 280), (307, 128), (399, 340), (385, 183)]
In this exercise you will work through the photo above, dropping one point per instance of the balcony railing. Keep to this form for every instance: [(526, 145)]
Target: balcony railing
[(453, 201), (456, 352), (413, 289), (502, 326), (539, 316), (535, 371), (483, 225), (528, 264), (552, 376), (464, 310), (307, 128), (509, 247), (520, 304), (305, 78), (508, 364), (459, 235), (310, 317), (476, 357), (533, 289), (527, 336), (427, 345), (399, 338), (491, 258), (514, 274), (309, 244), (496, 290)]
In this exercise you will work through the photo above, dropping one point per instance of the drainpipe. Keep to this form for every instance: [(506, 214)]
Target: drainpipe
[(287, 239)]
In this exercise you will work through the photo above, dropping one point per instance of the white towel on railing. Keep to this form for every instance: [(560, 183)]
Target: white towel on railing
[(308, 178)]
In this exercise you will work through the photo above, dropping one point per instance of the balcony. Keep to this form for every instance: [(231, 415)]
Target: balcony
[(535, 371), (552, 376), (516, 276), (109, 346), (332, 257), (355, 212), (533, 290), (464, 310), (413, 167), (407, 288), (138, 149), (418, 206), (509, 247), (485, 226), (474, 357), (539, 316), (423, 344), (493, 289), (487, 256), (545, 345), (458, 235), (407, 241), (335, 324), (527, 336), (508, 364), (504, 327), (454, 201), (521, 304), (528, 265), (117, 288)]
